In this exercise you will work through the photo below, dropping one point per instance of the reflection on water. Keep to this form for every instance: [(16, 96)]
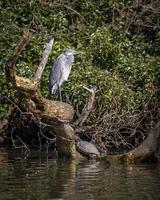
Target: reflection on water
[(51, 179)]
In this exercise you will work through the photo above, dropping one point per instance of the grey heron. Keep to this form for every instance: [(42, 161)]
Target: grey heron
[(60, 71)]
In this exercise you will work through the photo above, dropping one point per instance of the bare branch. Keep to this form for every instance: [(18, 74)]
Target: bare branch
[(9, 68), (65, 6), (87, 108), (74, 11), (43, 62), (12, 103)]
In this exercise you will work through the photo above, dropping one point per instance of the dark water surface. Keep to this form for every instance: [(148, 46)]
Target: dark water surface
[(52, 179)]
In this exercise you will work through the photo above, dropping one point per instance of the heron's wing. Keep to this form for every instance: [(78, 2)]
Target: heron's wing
[(56, 73), (67, 68)]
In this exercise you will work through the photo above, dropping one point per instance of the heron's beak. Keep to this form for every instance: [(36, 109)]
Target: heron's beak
[(77, 52)]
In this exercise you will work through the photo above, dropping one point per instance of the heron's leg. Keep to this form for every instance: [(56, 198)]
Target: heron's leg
[(60, 94)]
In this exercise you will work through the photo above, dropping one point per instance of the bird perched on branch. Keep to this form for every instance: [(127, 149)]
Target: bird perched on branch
[(60, 70)]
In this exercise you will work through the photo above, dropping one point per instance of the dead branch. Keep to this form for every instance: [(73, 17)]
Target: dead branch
[(43, 62), (21, 146), (87, 108), (65, 6), (9, 68)]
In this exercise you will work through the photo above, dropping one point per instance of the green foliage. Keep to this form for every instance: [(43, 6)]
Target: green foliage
[(122, 62), (127, 57)]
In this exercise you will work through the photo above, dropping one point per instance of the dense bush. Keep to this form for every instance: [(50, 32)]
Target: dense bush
[(121, 58)]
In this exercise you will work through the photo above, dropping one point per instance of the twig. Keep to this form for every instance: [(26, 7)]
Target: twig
[(40, 144), (19, 147), (24, 145), (43, 124), (65, 6), (12, 102), (69, 8), (52, 139)]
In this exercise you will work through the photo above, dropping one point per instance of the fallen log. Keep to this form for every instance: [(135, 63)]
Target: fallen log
[(147, 150)]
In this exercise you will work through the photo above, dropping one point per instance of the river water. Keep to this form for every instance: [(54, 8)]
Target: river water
[(43, 178)]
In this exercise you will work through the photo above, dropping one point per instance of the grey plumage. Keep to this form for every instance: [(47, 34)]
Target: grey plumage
[(61, 69)]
